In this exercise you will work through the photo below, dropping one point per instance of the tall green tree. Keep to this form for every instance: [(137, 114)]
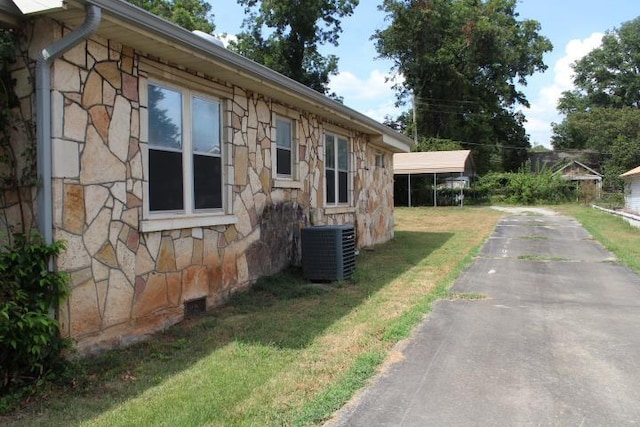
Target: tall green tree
[(285, 35), (608, 76), (602, 115), (461, 61), (189, 14)]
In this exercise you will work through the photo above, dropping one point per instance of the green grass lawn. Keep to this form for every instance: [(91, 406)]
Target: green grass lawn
[(285, 353)]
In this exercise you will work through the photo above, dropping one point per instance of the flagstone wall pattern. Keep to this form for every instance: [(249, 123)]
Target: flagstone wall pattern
[(127, 283)]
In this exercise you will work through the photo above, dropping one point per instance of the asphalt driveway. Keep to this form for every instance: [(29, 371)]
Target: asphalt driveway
[(554, 342)]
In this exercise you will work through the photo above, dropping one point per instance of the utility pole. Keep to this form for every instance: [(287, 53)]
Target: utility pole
[(415, 120)]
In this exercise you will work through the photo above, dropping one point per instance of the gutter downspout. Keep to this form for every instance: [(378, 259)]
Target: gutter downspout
[(43, 114)]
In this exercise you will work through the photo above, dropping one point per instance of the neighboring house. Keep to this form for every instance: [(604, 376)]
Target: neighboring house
[(632, 190), (179, 172), (583, 176)]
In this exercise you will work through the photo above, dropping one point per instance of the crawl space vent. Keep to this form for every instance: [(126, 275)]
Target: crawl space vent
[(195, 307)]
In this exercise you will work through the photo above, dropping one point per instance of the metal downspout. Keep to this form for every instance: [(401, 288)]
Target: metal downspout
[(43, 114)]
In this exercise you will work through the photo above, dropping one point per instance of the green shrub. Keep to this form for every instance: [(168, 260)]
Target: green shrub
[(30, 343), (527, 188)]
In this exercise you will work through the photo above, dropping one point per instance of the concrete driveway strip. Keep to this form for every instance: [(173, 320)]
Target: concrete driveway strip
[(556, 341)]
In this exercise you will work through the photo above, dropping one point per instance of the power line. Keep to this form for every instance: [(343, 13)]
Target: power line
[(514, 147)]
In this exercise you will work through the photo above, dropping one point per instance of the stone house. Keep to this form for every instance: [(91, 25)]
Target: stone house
[(177, 171)]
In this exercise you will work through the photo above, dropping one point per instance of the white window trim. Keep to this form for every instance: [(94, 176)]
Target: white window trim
[(189, 217), (287, 183), (283, 181), (185, 221), (379, 161), (338, 207)]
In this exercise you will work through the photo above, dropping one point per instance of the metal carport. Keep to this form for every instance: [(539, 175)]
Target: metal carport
[(434, 163)]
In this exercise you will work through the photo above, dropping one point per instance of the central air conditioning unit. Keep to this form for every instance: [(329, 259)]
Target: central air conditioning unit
[(328, 252)]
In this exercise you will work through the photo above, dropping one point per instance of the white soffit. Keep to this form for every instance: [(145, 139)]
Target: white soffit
[(37, 6)]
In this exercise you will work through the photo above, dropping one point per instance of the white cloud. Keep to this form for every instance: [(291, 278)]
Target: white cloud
[(543, 108), (372, 96), (377, 85), (380, 111)]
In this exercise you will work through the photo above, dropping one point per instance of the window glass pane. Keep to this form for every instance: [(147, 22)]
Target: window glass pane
[(165, 117), (330, 152), (205, 126), (207, 182), (343, 187), (343, 155), (331, 186), (283, 133), (165, 180), (284, 162)]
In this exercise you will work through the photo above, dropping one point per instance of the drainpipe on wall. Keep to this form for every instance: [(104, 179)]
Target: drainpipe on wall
[(43, 114)]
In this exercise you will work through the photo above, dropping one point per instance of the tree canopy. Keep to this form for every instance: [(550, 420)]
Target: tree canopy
[(602, 115), (284, 35), (189, 14), (608, 76), (462, 61)]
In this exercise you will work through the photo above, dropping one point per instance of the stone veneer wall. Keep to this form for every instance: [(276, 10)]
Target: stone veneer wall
[(126, 283)]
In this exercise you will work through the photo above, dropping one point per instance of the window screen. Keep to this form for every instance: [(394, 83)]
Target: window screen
[(284, 144)]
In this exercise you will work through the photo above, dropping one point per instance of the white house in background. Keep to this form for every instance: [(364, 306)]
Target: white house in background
[(179, 172), (632, 190)]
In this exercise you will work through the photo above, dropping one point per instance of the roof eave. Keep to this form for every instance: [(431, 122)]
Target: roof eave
[(242, 70)]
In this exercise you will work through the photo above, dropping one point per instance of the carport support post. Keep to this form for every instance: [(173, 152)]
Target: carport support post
[(409, 191), (461, 190), (435, 194)]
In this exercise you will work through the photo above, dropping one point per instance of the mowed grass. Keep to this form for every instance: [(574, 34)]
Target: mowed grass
[(617, 235), (285, 353)]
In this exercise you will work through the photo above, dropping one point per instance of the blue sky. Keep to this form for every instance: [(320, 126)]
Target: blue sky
[(573, 26)]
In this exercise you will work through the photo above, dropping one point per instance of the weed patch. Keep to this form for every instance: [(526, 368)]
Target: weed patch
[(469, 296), (534, 237), (541, 258)]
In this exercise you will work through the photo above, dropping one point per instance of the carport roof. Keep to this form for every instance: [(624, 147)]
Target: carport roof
[(458, 161)]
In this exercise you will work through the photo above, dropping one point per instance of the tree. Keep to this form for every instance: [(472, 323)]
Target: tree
[(608, 76), (461, 61), (295, 30), (437, 144), (610, 137), (602, 115), (189, 14)]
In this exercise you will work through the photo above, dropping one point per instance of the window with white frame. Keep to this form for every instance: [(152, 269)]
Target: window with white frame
[(285, 147), (379, 159), (337, 169), (185, 151)]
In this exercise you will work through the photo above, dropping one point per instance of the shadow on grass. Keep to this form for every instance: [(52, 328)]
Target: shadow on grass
[(284, 311)]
